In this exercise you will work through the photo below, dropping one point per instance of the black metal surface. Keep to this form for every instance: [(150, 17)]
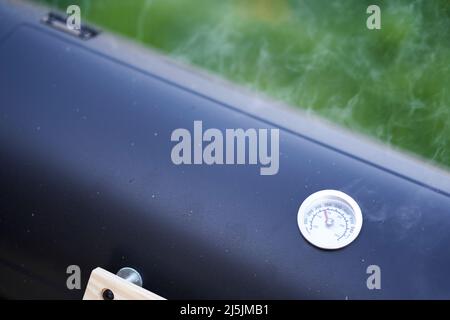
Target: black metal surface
[(86, 178)]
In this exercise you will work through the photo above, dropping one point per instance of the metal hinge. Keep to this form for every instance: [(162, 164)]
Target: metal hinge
[(58, 21)]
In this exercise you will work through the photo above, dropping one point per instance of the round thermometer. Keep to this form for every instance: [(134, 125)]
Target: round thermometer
[(329, 219)]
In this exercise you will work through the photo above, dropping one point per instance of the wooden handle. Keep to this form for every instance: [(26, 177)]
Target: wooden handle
[(101, 280)]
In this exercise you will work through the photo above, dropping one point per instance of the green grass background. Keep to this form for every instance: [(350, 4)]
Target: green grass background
[(393, 84)]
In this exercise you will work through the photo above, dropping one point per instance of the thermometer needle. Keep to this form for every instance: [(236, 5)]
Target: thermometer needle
[(328, 221)]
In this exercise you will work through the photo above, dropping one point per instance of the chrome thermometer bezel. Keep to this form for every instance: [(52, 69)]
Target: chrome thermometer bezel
[(314, 201)]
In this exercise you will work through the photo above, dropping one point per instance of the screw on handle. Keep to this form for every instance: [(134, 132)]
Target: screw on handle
[(107, 294)]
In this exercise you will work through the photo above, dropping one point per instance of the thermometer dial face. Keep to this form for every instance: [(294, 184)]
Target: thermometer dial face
[(329, 219)]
